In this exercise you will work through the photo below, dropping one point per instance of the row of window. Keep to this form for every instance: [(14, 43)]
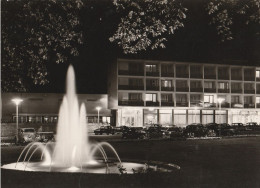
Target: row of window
[(185, 71), (54, 119), (184, 85), (167, 99)]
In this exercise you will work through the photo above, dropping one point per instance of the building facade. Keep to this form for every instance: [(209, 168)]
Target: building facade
[(141, 92), (44, 107)]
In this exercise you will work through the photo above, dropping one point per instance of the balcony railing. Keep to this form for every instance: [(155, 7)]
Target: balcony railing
[(250, 91), (167, 74), (182, 75), (131, 72), (152, 88), (225, 105), (152, 73), (223, 77), (236, 105), (196, 104), (249, 105), (182, 104), (209, 76), (209, 105), (223, 90), (182, 89), (131, 103), (236, 77), (151, 103), (196, 75), (236, 90), (167, 103), (127, 87), (196, 89), (249, 78), (167, 88), (210, 90)]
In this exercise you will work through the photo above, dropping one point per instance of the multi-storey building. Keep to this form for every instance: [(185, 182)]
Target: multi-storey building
[(141, 92)]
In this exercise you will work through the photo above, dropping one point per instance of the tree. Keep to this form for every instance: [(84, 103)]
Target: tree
[(145, 24), (223, 13), (33, 34)]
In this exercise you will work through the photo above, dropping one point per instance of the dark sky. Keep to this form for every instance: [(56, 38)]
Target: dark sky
[(197, 41)]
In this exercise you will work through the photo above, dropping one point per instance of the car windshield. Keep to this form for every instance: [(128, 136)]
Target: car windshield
[(28, 130)]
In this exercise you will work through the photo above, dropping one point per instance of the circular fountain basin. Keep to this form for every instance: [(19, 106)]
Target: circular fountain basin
[(95, 167)]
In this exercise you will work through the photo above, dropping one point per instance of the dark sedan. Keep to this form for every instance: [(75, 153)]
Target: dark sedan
[(133, 133)]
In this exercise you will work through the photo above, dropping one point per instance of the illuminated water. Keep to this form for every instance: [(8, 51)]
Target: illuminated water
[(72, 151)]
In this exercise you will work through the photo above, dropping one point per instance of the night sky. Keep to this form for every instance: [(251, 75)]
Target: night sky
[(197, 41)]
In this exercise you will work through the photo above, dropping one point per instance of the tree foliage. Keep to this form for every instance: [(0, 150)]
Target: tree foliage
[(223, 12), (34, 33), (145, 24)]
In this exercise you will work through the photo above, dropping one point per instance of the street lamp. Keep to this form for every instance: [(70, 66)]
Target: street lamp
[(98, 109), (17, 101)]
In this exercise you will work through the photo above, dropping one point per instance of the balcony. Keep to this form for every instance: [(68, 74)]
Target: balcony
[(131, 72), (152, 88), (152, 73), (249, 78), (210, 90), (167, 103), (249, 91), (225, 105), (223, 90), (209, 76), (167, 74), (182, 104), (167, 88), (249, 105), (258, 91), (236, 90), (193, 75), (236, 77), (151, 103), (182, 89), (196, 104), (209, 105), (223, 77), (196, 89), (257, 105), (182, 75), (236, 105), (131, 103), (127, 87)]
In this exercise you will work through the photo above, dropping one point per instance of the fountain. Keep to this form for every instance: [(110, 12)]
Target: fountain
[(72, 151)]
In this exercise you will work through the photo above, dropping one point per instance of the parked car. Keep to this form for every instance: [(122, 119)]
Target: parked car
[(222, 129), (133, 133), (104, 130), (174, 132), (120, 129), (154, 131), (44, 136), (195, 130), (26, 135)]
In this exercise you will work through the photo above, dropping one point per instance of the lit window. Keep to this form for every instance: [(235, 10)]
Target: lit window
[(166, 83), (258, 74), (209, 98), (150, 68), (150, 97), (257, 100)]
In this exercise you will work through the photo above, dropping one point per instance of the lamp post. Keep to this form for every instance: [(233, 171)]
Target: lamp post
[(17, 101), (98, 109)]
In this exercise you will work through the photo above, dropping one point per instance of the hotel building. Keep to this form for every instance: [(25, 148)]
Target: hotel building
[(141, 92)]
